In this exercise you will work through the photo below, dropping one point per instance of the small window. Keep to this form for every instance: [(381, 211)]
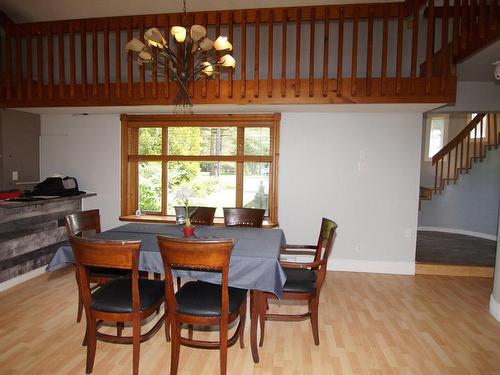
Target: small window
[(480, 130), (436, 134)]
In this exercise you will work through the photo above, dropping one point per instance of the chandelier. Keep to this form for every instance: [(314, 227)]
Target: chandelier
[(194, 56)]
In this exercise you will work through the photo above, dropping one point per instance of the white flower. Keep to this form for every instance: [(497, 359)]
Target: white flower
[(184, 194)]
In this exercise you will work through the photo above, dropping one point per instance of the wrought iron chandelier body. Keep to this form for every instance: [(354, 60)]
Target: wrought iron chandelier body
[(194, 56)]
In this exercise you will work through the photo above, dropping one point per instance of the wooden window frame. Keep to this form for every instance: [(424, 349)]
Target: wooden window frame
[(130, 158)]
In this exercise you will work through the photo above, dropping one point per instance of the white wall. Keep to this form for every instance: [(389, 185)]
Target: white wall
[(376, 210), (88, 148), (319, 154), (495, 294)]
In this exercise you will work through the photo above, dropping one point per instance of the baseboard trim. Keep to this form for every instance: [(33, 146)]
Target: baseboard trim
[(450, 270), (494, 308), (22, 278), (459, 231), (372, 266)]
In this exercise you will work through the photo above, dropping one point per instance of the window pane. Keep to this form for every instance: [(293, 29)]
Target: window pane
[(150, 186), (257, 141), (256, 185), (213, 184), (480, 130), (150, 141), (436, 136), (201, 141)]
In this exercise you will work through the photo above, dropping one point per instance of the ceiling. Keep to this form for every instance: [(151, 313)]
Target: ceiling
[(51, 10)]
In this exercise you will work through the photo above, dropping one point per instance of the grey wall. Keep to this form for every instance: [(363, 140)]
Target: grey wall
[(20, 133), (470, 205), (475, 97)]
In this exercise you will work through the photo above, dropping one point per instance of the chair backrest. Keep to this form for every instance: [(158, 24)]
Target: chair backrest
[(105, 254), (324, 248), (198, 215), (244, 217), (84, 221), (207, 255)]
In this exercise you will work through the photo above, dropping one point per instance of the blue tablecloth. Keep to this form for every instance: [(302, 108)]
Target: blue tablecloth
[(254, 260)]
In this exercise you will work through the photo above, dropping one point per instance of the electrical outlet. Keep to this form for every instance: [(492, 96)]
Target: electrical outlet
[(15, 176), (362, 166)]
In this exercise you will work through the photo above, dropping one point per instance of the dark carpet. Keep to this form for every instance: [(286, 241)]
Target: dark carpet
[(455, 249)]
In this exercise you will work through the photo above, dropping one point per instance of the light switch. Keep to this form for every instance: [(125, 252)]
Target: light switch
[(15, 176)]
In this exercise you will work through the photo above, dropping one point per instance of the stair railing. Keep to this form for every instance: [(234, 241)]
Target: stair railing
[(469, 145)]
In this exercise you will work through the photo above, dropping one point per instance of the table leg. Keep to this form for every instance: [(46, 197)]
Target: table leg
[(256, 298)]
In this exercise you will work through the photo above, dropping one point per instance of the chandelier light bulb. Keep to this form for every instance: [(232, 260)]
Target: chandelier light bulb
[(135, 45), (227, 61), (221, 44), (179, 33), (209, 69), (154, 38)]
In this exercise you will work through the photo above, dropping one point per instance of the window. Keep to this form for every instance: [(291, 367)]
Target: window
[(436, 134), (480, 130), (226, 160)]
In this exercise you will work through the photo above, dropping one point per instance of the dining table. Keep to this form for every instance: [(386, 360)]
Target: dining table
[(254, 262)]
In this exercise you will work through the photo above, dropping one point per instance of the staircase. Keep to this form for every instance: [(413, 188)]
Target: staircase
[(459, 155)]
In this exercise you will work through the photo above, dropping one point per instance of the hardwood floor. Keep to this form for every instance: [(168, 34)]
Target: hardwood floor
[(369, 324)]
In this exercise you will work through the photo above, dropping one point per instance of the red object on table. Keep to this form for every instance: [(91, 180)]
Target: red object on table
[(188, 231), (10, 194)]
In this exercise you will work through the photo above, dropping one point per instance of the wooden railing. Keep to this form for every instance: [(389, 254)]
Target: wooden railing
[(365, 53), (471, 144)]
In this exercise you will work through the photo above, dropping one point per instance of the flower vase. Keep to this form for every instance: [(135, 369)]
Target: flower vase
[(188, 231)]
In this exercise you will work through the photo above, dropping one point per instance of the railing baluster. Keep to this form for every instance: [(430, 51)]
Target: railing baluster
[(231, 71), (441, 180), (270, 46), (19, 77), (467, 157), (472, 21), (461, 155), (217, 55), (256, 71), (154, 71), (448, 168), (475, 142), (369, 53), (311, 52), (50, 64), (430, 47), (142, 68), (60, 55), (39, 64), (494, 22), (481, 139), (414, 51), (496, 130), (29, 65), (444, 47), (118, 61), (243, 88), (72, 62), (340, 51), (106, 59), (399, 52), (326, 42), (297, 52), (166, 78), (464, 24), (283, 53), (8, 65), (354, 59), (385, 32), (94, 58), (83, 60), (436, 176), (456, 27)]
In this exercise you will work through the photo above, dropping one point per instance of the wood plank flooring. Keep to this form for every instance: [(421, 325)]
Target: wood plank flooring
[(369, 324)]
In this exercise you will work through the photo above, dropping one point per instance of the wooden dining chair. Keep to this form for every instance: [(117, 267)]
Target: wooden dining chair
[(303, 280), (198, 215), (198, 302), (82, 224), (126, 299), (244, 217)]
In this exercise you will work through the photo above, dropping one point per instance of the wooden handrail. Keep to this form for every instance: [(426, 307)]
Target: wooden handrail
[(459, 138)]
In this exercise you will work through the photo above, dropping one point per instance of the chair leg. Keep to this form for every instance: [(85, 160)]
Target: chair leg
[(167, 328), (262, 321), (313, 309), (175, 348), (80, 309), (223, 349), (119, 328), (243, 317), (136, 343), (190, 331), (91, 340)]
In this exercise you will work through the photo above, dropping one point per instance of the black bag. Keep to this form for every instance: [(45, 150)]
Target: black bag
[(57, 186)]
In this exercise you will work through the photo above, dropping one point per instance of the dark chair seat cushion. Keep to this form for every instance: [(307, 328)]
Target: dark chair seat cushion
[(204, 299), (107, 273), (299, 280), (116, 295)]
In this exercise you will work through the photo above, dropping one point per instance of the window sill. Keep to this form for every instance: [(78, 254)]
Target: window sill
[(218, 221)]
